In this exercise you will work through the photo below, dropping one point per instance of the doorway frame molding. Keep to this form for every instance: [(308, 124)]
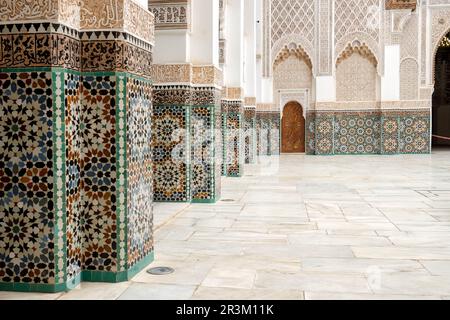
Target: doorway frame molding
[(301, 96)]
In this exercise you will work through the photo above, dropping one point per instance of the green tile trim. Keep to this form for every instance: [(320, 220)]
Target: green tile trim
[(140, 78), (139, 266), (188, 146), (204, 200), (114, 277), (31, 69), (121, 173), (32, 287), (74, 282), (59, 191)]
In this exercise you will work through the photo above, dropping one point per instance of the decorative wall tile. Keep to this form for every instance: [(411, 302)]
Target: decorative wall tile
[(356, 133), (99, 171), (74, 164), (389, 134), (310, 137), (206, 144), (263, 133), (370, 132), (171, 169), (274, 134), (139, 170), (324, 133), (234, 150), (27, 184), (250, 135), (414, 133)]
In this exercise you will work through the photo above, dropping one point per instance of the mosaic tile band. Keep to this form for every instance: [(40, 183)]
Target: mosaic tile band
[(369, 132)]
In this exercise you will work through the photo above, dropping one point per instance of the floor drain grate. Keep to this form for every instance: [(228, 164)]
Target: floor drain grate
[(227, 200), (160, 271)]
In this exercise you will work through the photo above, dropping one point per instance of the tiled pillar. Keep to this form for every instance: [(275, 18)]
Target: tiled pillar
[(263, 125), (40, 149), (274, 133), (233, 125), (76, 110), (117, 105), (171, 138), (250, 131), (206, 134)]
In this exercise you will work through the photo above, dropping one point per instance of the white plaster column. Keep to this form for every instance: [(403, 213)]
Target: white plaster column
[(250, 48), (205, 32), (259, 46), (234, 66), (390, 82), (172, 45), (167, 40), (267, 90)]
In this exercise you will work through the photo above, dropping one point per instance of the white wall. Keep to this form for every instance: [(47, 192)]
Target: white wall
[(259, 16), (143, 3), (205, 32), (250, 48), (325, 89), (267, 90), (233, 69), (390, 82), (171, 46)]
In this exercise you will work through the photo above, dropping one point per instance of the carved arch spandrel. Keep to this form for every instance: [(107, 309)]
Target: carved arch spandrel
[(291, 41), (358, 39)]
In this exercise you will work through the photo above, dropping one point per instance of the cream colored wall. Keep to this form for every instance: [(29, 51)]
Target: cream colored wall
[(292, 73), (356, 79)]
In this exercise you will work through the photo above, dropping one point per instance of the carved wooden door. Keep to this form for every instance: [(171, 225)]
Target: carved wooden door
[(293, 129)]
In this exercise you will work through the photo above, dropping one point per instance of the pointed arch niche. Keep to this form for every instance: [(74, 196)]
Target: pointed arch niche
[(356, 74)]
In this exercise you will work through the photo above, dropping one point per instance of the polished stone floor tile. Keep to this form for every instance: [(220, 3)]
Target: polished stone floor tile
[(312, 281), (437, 267), (96, 291), (154, 291), (364, 296), (209, 293), (222, 276), (7, 295), (296, 226)]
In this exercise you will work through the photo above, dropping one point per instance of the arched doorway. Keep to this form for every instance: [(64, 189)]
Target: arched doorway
[(441, 95), (293, 129)]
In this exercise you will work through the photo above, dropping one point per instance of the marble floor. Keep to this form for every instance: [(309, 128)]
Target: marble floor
[(302, 227)]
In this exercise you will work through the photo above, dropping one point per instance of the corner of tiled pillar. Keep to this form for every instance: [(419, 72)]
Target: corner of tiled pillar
[(40, 150), (310, 131), (233, 124), (206, 134), (264, 115), (117, 219), (250, 130), (274, 132), (171, 132)]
